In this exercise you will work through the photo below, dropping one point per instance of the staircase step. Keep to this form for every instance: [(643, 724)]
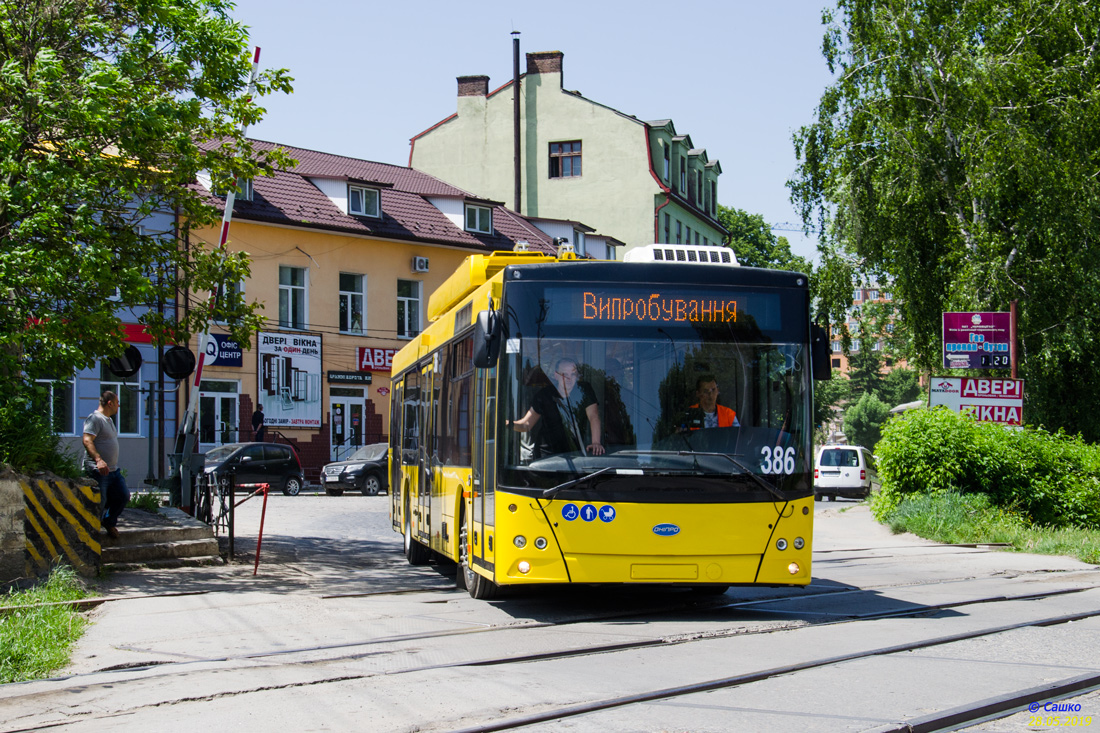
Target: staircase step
[(158, 550)]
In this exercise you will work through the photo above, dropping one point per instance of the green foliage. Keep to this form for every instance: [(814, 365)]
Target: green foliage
[(955, 518), (863, 420), (955, 156), (1049, 479), (148, 501), (36, 641), (755, 245), (899, 386), (827, 395), (28, 441), (109, 110)]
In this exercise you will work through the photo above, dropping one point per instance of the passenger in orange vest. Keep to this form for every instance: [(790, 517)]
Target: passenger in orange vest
[(706, 412)]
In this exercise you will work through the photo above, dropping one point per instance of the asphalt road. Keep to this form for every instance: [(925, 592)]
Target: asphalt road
[(336, 632)]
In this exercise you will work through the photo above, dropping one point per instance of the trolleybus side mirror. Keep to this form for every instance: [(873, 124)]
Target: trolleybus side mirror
[(820, 357), (486, 339)]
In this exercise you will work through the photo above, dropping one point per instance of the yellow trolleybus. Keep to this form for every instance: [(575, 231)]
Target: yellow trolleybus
[(573, 421)]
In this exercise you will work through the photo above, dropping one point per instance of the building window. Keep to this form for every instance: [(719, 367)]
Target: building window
[(363, 201), (479, 219), (688, 240), (668, 232), (353, 303), (872, 295), (612, 254), (836, 363), (408, 308), (580, 246), (57, 404), (696, 237), (836, 347), (683, 176), (128, 418), (857, 295), (706, 242), (565, 159), (244, 189), (679, 233), (668, 163), (713, 197), (292, 297)]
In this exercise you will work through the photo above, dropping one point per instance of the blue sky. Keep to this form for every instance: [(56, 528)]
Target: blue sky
[(739, 77)]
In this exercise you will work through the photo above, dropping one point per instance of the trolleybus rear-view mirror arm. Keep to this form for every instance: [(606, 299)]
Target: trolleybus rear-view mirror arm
[(820, 357)]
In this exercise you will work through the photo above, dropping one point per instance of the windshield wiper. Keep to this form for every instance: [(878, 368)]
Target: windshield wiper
[(549, 493), (744, 469)]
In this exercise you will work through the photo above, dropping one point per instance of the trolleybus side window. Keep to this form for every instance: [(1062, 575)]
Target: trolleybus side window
[(438, 446), (457, 398)]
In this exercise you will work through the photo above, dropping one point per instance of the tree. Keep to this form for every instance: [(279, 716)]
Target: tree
[(957, 155), (863, 420), (108, 110), (755, 245)]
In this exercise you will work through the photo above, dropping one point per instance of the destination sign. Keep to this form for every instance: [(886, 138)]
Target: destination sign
[(641, 305)]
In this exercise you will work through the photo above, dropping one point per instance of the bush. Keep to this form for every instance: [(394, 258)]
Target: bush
[(1050, 479), (28, 441), (36, 639)]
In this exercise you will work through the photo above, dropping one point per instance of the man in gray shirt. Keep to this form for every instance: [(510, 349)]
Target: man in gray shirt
[(101, 441)]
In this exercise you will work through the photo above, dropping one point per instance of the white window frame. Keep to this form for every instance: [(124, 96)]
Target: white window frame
[(288, 290), (348, 326), (70, 384), (364, 194), (483, 219), (407, 327)]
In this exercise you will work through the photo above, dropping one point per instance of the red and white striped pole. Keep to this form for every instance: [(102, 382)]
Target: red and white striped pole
[(188, 429)]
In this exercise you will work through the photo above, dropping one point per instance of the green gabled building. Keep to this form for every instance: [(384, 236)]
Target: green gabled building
[(640, 182)]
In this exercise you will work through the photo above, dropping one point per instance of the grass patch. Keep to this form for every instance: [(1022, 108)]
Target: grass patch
[(36, 641), (148, 501), (953, 518)]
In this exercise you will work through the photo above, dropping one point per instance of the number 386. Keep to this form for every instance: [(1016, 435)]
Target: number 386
[(777, 460)]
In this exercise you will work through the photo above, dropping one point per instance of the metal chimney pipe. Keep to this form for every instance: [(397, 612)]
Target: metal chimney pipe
[(515, 116)]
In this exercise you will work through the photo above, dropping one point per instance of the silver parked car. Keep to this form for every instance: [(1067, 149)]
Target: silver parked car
[(844, 470)]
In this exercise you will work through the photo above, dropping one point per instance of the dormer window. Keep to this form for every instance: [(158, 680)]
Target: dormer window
[(244, 189), (363, 201), (479, 219)]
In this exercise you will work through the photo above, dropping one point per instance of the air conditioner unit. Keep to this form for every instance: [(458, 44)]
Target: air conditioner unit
[(420, 264)]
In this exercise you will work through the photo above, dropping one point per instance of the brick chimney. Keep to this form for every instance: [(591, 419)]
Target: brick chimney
[(544, 62), (473, 86)]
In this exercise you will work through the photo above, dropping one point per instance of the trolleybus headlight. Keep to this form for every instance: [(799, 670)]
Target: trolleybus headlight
[(524, 567), (781, 544), (799, 543), (520, 541), (540, 542), (793, 568)]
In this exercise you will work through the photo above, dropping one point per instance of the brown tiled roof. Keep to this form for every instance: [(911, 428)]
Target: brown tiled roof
[(289, 198)]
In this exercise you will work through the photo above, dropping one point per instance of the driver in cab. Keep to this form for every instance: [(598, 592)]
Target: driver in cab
[(706, 412)]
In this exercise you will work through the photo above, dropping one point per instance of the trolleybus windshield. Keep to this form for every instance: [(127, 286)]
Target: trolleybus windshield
[(700, 390)]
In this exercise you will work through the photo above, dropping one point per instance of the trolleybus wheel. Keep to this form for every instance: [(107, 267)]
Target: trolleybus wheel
[(478, 587), (415, 553)]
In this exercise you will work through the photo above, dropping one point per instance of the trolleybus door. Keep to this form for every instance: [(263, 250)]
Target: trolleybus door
[(484, 457), (422, 507)]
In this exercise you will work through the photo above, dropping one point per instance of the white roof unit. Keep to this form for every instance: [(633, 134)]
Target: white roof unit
[(686, 253)]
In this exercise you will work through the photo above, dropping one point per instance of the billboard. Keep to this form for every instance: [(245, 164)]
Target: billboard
[(988, 400), (977, 340), (290, 379)]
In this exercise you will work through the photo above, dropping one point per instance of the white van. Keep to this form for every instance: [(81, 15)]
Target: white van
[(844, 470)]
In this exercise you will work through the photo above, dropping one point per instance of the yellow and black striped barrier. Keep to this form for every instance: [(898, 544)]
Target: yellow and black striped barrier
[(61, 523)]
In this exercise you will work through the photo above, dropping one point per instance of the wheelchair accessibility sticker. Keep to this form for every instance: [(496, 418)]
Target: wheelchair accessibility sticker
[(588, 512)]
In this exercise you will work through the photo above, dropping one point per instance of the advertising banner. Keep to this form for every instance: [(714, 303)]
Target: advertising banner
[(988, 400), (290, 379), (977, 340), (375, 360)]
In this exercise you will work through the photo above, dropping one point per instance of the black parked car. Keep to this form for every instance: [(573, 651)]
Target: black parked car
[(257, 463), (364, 470)]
